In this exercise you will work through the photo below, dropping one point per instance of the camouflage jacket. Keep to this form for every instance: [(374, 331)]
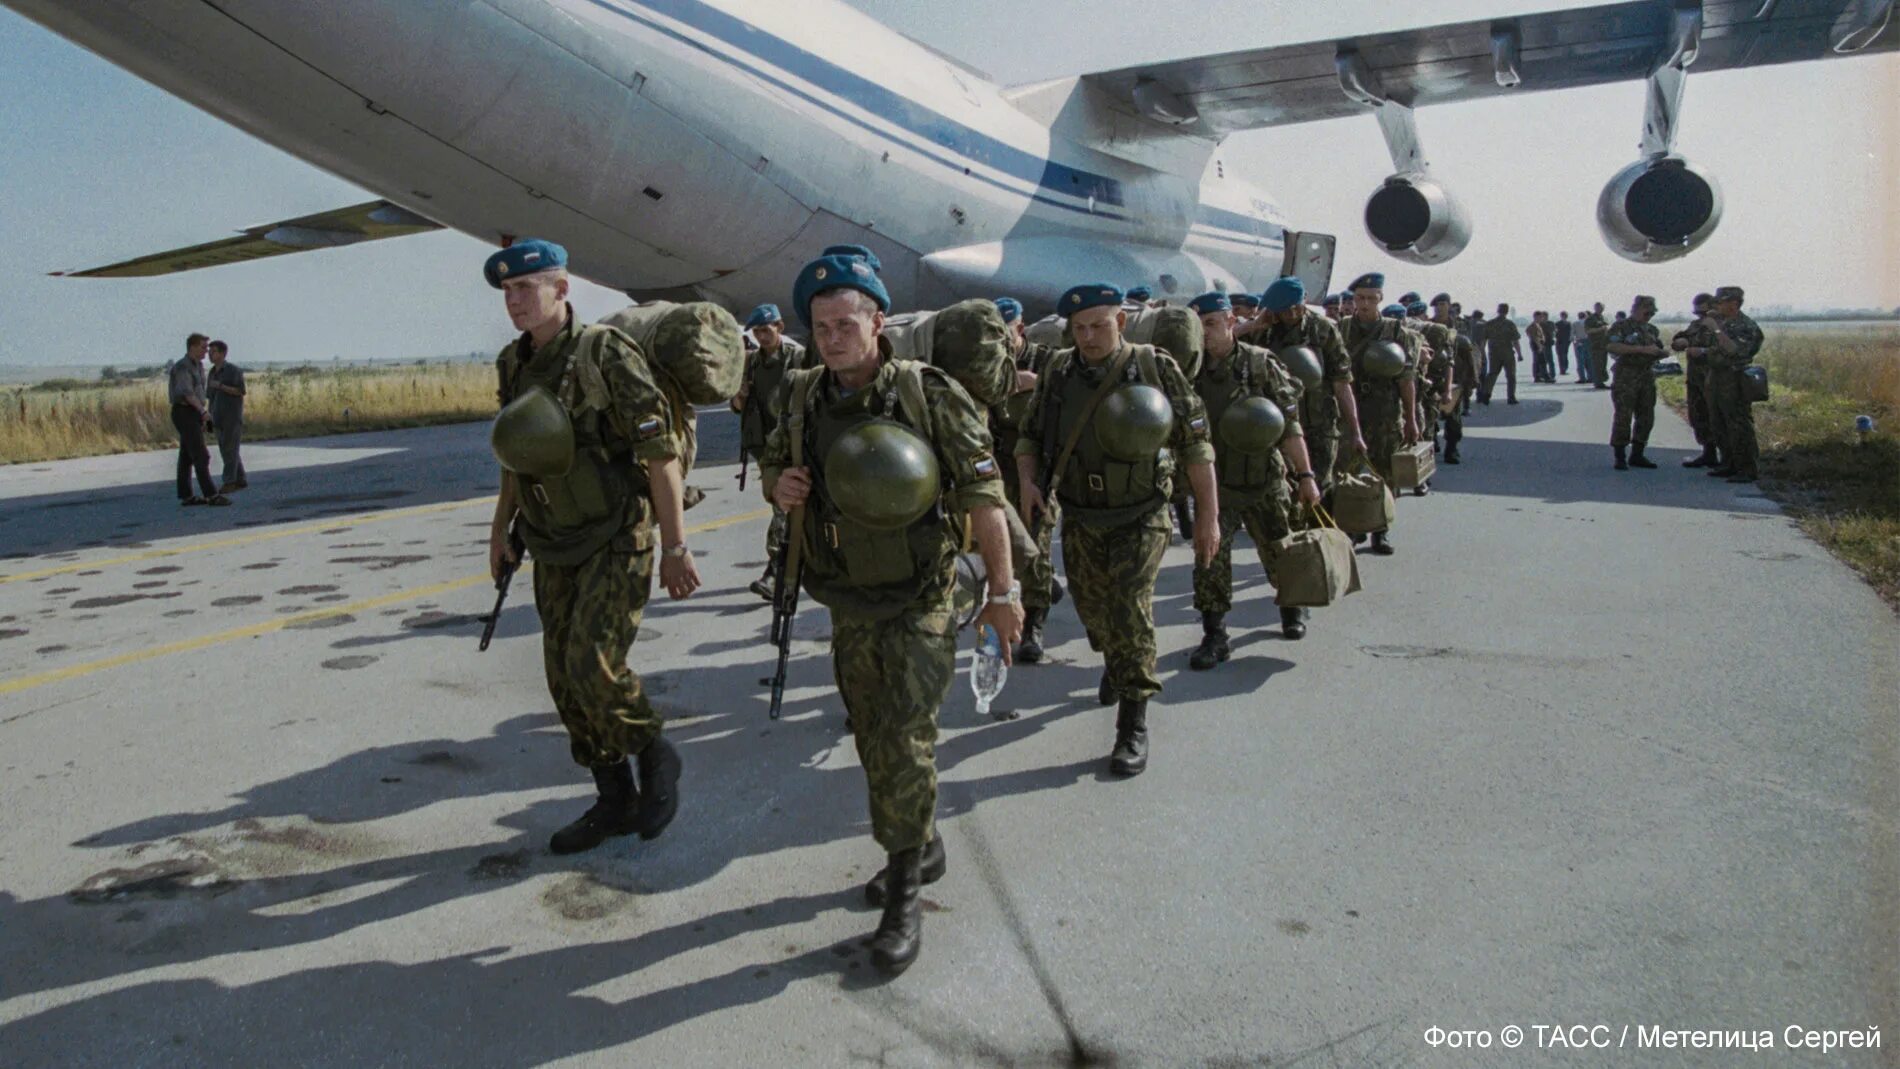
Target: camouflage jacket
[(1319, 407), (1248, 371), (1630, 332), (1746, 336)]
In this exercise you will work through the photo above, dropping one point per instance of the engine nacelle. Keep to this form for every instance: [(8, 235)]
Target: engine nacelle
[(1415, 219), (1659, 209)]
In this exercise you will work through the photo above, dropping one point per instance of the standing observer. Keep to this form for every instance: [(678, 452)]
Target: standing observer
[(189, 415), (225, 381)]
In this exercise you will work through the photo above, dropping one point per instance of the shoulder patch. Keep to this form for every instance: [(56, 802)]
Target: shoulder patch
[(984, 464)]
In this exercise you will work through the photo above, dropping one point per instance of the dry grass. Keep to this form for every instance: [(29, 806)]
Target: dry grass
[(1844, 490), (89, 420)]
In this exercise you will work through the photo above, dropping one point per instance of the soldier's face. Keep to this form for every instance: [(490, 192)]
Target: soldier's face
[(767, 335), (1441, 311), (1291, 315), (1218, 327), (1098, 331), (535, 300), (1365, 304), (1728, 309), (844, 326)]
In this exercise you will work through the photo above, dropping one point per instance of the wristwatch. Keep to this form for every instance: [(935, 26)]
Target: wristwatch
[(677, 552), (1297, 476), (1014, 597)]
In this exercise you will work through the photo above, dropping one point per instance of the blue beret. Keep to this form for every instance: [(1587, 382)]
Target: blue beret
[(1393, 311), (1417, 308), (1410, 299), (763, 315), (1243, 300), (1285, 292), (837, 271), (1372, 280), (1089, 295), (1140, 293), (858, 251), (1443, 298), (1209, 303), (1337, 298), (525, 257), (1010, 307)]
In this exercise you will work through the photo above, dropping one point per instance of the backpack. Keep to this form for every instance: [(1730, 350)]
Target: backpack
[(696, 345), (967, 341)]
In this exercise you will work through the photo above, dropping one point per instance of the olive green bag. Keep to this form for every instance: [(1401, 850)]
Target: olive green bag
[(1361, 501), (1315, 567), (697, 345), (967, 341)]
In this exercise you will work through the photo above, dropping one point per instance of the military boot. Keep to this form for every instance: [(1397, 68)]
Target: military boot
[(1638, 460), (615, 812), (1293, 623), (1213, 648), (900, 934), (1720, 471), (1621, 463), (1130, 756), (1105, 693), (1382, 544), (1029, 650), (1451, 454), (930, 870), (764, 584), (1706, 460), (660, 782)]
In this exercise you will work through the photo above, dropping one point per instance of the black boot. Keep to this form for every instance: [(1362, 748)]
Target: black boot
[(1056, 594), (764, 584), (1621, 464), (1382, 544), (1213, 648), (1451, 454), (900, 934), (1293, 623), (930, 870), (1029, 650), (1706, 460), (660, 784), (1130, 757), (1720, 471), (1422, 489), (615, 812), (1105, 693), (1637, 459)]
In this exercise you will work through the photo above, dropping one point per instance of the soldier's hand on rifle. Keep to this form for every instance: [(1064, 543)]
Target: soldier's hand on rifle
[(1008, 622), (1032, 502), (501, 555), (793, 489)]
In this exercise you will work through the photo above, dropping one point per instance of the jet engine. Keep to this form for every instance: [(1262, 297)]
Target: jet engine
[(1659, 208), (1413, 217)]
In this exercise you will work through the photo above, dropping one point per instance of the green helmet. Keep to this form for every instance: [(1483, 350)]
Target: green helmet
[(1303, 364), (533, 435), (1385, 360), (1133, 423), (882, 475), (1252, 425)]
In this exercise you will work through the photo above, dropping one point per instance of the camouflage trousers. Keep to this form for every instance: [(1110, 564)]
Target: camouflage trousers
[(1633, 404), (1322, 450), (775, 533), (1454, 425), (1732, 421), (1695, 384), (1266, 523), (893, 675), (1384, 435), (590, 615), (1112, 573)]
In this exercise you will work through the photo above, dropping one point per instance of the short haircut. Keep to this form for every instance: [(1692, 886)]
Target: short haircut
[(864, 301), (1504, 309), (220, 346), (194, 338)]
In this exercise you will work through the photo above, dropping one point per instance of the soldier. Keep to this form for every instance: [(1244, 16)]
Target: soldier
[(1336, 305), (1542, 366), (1735, 339), (1581, 339), (1596, 330), (1437, 375), (1637, 346), (1462, 373), (1386, 402), (591, 464), (1141, 295), (1326, 407), (883, 561), (1250, 472), (1695, 381), (1504, 350), (1562, 333), (1099, 420), (1474, 327), (758, 404), (1037, 574)]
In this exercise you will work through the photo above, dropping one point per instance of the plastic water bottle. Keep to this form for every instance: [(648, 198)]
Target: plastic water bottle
[(987, 670)]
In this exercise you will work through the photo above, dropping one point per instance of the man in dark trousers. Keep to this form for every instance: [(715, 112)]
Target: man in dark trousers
[(225, 385), (1563, 343), (187, 391)]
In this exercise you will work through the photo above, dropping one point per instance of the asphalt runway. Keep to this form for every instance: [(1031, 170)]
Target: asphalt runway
[(1596, 748)]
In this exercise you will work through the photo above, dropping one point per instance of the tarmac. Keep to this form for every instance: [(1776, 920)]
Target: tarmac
[(1596, 748)]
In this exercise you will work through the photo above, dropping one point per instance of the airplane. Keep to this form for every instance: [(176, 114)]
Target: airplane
[(704, 149)]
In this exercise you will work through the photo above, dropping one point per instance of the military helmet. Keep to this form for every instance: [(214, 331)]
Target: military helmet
[(882, 475), (1251, 425), (1303, 364), (1133, 423), (533, 435), (1385, 359)]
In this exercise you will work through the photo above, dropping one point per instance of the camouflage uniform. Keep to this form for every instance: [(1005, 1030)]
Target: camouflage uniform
[(1037, 574), (1253, 489), (764, 375), (1731, 417), (1464, 366), (1115, 522), (591, 578), (1596, 330), (893, 634), (1695, 383), (1500, 345), (1319, 406), (1437, 370), (1381, 402), (1633, 392)]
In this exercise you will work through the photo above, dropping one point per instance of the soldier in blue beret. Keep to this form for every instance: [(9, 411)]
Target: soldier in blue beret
[(1038, 573), (1088, 295), (1393, 311), (1283, 293), (590, 524), (1371, 280), (1244, 303), (913, 435), (758, 403), (1009, 308), (1140, 293), (858, 251), (1387, 407), (1336, 306), (1330, 407), (1409, 299), (1209, 303)]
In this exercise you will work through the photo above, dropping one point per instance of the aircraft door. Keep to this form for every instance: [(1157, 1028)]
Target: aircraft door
[(1309, 257)]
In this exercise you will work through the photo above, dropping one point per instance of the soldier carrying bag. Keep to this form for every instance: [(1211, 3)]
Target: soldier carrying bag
[(1315, 567), (1754, 384), (1362, 502)]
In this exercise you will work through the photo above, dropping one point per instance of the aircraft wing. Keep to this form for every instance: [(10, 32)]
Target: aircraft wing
[(373, 221), (1216, 95)]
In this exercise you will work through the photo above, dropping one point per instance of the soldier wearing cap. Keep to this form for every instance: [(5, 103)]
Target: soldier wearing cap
[(1327, 406), (1695, 381), (1504, 350), (1463, 374), (1037, 574), (881, 459), (1735, 340), (1596, 331), (1387, 402), (1436, 371), (1141, 295), (591, 465), (758, 404), (1336, 304), (1636, 345), (1111, 420), (1251, 464)]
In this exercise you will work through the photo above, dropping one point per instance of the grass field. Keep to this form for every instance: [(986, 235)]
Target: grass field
[(1843, 488), (64, 418)]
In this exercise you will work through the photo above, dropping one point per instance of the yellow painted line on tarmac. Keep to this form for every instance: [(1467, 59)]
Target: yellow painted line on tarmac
[(252, 538), (189, 645)]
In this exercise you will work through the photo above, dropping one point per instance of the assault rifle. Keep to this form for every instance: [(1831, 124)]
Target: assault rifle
[(785, 601), (519, 548)]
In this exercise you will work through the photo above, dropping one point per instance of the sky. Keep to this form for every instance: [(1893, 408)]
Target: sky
[(98, 166)]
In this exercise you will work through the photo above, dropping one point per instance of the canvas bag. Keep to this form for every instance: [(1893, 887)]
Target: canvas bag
[(1315, 567), (697, 345), (1362, 503)]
